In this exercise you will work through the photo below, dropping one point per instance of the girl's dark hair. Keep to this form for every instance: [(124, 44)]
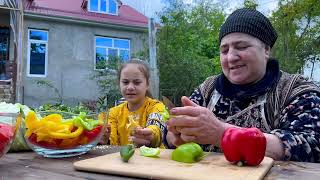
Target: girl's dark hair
[(142, 66)]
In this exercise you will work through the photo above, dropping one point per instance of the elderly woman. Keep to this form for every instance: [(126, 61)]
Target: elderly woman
[(251, 92)]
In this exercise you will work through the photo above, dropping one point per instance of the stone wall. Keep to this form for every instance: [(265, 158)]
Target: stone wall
[(6, 91)]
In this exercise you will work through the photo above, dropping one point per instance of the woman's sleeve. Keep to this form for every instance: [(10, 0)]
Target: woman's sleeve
[(112, 120), (299, 128), (202, 94), (156, 123), (197, 97)]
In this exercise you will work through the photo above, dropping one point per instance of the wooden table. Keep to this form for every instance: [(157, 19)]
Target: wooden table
[(28, 165)]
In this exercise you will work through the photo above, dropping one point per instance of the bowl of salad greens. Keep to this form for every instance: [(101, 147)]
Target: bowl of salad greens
[(58, 134)]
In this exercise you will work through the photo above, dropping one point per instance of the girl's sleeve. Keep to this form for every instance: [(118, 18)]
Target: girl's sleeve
[(112, 120), (155, 122), (299, 128)]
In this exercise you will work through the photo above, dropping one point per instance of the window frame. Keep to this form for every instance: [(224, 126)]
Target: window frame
[(107, 7), (30, 41), (107, 48)]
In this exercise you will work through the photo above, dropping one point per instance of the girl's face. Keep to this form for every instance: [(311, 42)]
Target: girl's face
[(133, 85)]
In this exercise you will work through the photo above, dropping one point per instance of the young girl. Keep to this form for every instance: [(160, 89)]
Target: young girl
[(139, 119)]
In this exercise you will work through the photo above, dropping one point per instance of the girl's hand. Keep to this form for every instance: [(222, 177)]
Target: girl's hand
[(142, 136), (105, 137), (174, 139)]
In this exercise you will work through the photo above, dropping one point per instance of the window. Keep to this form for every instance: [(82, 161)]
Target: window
[(104, 6), (37, 53), (4, 52), (106, 48)]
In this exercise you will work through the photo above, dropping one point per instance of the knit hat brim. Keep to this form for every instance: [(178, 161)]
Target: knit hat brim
[(251, 22)]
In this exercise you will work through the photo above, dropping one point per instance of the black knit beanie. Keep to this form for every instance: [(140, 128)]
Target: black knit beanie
[(251, 22)]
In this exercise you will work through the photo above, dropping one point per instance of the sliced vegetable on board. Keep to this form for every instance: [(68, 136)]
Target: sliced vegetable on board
[(126, 152), (149, 151)]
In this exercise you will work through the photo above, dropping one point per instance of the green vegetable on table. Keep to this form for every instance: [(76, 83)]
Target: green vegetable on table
[(126, 152), (188, 153), (149, 152)]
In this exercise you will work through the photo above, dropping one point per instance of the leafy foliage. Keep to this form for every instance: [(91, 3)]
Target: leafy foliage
[(250, 4), (48, 84), (107, 81), (298, 27), (188, 46), (62, 107), (87, 106)]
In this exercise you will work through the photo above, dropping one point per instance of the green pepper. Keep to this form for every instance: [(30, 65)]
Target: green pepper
[(126, 152), (165, 114), (87, 124), (188, 153), (149, 152)]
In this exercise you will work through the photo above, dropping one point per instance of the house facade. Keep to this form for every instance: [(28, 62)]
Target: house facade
[(10, 13), (65, 42)]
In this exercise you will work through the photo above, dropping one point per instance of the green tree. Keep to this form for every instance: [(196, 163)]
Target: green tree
[(298, 27), (252, 4), (108, 83), (188, 46)]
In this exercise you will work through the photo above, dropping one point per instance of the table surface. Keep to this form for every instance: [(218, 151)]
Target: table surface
[(28, 165)]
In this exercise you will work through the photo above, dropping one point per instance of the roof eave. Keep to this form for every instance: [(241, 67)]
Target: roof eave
[(85, 21)]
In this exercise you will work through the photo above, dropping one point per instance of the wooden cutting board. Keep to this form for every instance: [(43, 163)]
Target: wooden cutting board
[(213, 166)]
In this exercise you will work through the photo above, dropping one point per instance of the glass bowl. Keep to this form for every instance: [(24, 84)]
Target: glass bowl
[(58, 134), (9, 124)]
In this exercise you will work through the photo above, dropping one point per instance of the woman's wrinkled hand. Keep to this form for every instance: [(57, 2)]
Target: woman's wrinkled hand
[(142, 137), (194, 124)]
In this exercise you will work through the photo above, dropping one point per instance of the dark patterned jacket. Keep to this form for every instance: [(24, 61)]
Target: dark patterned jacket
[(290, 110)]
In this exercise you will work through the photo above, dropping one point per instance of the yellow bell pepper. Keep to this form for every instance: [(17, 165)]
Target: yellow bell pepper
[(59, 135), (132, 125), (31, 122), (42, 136), (57, 118)]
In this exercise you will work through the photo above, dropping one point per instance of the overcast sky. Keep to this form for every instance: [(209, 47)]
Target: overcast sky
[(150, 7)]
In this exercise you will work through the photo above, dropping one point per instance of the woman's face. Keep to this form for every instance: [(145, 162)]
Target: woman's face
[(133, 84), (243, 58)]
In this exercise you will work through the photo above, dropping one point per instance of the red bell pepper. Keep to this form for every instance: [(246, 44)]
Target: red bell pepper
[(53, 144), (246, 145), (6, 134), (92, 134)]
